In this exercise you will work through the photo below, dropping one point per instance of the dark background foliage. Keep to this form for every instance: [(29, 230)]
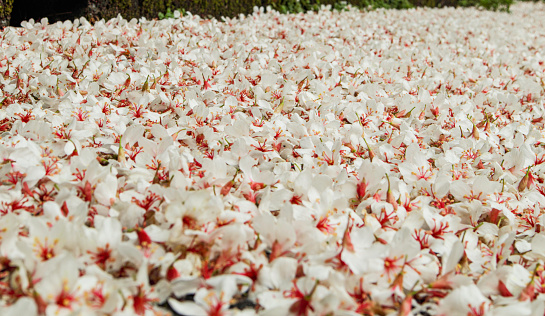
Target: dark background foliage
[(13, 12)]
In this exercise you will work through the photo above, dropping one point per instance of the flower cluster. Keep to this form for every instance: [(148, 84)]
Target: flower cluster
[(323, 163)]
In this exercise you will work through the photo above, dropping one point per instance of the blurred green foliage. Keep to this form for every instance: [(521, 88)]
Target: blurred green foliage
[(502, 5), (231, 8), (5, 12), (150, 9), (218, 8), (169, 14), (295, 6)]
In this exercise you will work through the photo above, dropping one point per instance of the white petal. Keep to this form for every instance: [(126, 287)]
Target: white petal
[(186, 308)]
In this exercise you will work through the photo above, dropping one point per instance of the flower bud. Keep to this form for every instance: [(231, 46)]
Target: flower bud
[(227, 188), (59, 92), (371, 153), (528, 293), (422, 115), (487, 126), (361, 189), (406, 306), (390, 196), (280, 107), (494, 216), (475, 132), (127, 83), (408, 113), (524, 183), (121, 154), (145, 86)]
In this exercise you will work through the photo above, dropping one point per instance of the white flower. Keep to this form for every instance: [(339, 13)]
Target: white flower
[(216, 299), (306, 164), (464, 300), (23, 306), (361, 252)]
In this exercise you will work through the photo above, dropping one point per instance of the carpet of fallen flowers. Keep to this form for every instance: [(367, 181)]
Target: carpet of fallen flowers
[(328, 163)]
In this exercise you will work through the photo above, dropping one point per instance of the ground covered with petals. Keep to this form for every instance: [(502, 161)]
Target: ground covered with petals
[(329, 163)]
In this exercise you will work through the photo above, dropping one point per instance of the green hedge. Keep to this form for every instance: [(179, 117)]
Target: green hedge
[(107, 9), (231, 8), (305, 5), (5, 12), (153, 8)]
